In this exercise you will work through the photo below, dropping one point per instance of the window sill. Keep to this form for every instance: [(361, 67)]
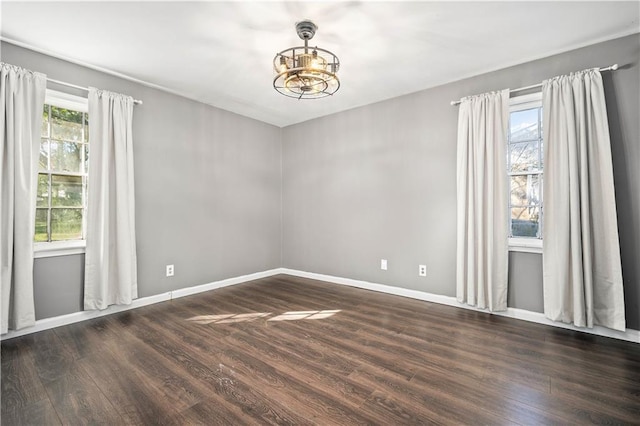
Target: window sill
[(58, 248), (526, 245)]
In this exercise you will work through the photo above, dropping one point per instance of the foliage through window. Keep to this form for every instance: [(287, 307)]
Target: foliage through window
[(525, 167), (62, 178)]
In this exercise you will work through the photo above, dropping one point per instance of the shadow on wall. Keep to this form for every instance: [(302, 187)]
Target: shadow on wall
[(628, 226)]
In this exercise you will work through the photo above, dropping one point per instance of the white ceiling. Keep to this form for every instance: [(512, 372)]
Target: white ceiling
[(220, 53)]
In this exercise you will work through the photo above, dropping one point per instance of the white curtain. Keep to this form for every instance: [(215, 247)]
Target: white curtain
[(581, 254), (482, 221), (110, 259), (21, 105)]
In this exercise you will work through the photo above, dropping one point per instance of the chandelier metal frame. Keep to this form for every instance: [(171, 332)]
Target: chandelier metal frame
[(304, 72)]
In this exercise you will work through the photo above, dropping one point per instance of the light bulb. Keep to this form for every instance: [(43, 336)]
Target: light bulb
[(283, 64)]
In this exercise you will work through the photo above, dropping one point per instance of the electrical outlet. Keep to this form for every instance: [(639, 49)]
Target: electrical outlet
[(170, 270), (383, 264), (422, 270)]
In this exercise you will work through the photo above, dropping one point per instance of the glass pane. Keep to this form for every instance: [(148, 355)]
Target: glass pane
[(41, 225), (65, 156), (66, 124), (66, 191), (86, 128), (86, 158), (66, 224), (42, 199), (523, 156), (525, 190), (45, 122), (525, 221), (524, 125), (44, 155)]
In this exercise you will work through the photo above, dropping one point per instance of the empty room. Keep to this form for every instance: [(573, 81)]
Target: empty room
[(320, 213)]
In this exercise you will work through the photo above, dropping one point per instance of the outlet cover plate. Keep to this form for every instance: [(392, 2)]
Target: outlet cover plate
[(422, 270)]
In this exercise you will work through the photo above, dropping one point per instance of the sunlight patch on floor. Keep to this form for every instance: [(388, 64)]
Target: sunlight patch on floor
[(298, 315), (228, 318), (248, 317)]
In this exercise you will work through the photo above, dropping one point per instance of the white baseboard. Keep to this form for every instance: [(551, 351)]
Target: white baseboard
[(48, 323), (521, 314), (537, 317), (175, 294)]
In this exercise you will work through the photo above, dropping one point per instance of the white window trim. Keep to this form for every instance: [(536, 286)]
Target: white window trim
[(525, 244), (58, 248), (519, 103), (62, 248), (65, 100)]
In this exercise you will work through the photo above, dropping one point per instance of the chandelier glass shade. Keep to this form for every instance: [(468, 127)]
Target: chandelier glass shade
[(305, 72)]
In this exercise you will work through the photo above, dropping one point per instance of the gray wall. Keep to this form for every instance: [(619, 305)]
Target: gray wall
[(379, 182), (58, 283), (525, 281), (207, 185)]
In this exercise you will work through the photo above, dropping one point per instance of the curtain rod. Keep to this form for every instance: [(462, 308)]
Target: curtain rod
[(75, 86), (534, 86)]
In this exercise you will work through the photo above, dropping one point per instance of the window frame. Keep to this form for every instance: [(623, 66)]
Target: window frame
[(525, 244), (69, 247)]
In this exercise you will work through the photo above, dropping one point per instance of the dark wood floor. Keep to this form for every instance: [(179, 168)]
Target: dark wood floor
[(296, 351)]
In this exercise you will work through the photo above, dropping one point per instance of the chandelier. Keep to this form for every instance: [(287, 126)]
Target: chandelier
[(303, 72)]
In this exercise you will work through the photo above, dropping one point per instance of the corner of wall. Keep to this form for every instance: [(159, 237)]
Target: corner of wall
[(281, 199)]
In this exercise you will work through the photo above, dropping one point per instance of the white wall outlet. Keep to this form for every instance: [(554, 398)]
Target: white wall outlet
[(170, 270), (383, 264), (422, 270)]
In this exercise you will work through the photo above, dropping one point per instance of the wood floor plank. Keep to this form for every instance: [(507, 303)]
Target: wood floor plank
[(87, 337), (15, 348), (291, 346), (210, 372), (481, 400), (390, 409), (139, 397), (78, 400), (53, 360), (619, 402), (290, 350), (20, 384), (437, 401), (35, 413), (311, 399), (312, 361), (207, 412)]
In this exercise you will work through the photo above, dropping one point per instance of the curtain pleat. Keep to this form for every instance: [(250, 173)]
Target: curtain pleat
[(482, 221), (581, 254), (21, 105), (110, 259)]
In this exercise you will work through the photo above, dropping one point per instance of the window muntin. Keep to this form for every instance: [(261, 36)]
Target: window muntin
[(525, 167), (62, 177)]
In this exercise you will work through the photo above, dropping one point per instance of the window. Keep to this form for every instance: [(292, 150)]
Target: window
[(525, 170), (62, 177)]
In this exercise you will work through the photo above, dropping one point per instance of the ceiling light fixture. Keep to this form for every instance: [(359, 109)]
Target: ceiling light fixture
[(303, 72)]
